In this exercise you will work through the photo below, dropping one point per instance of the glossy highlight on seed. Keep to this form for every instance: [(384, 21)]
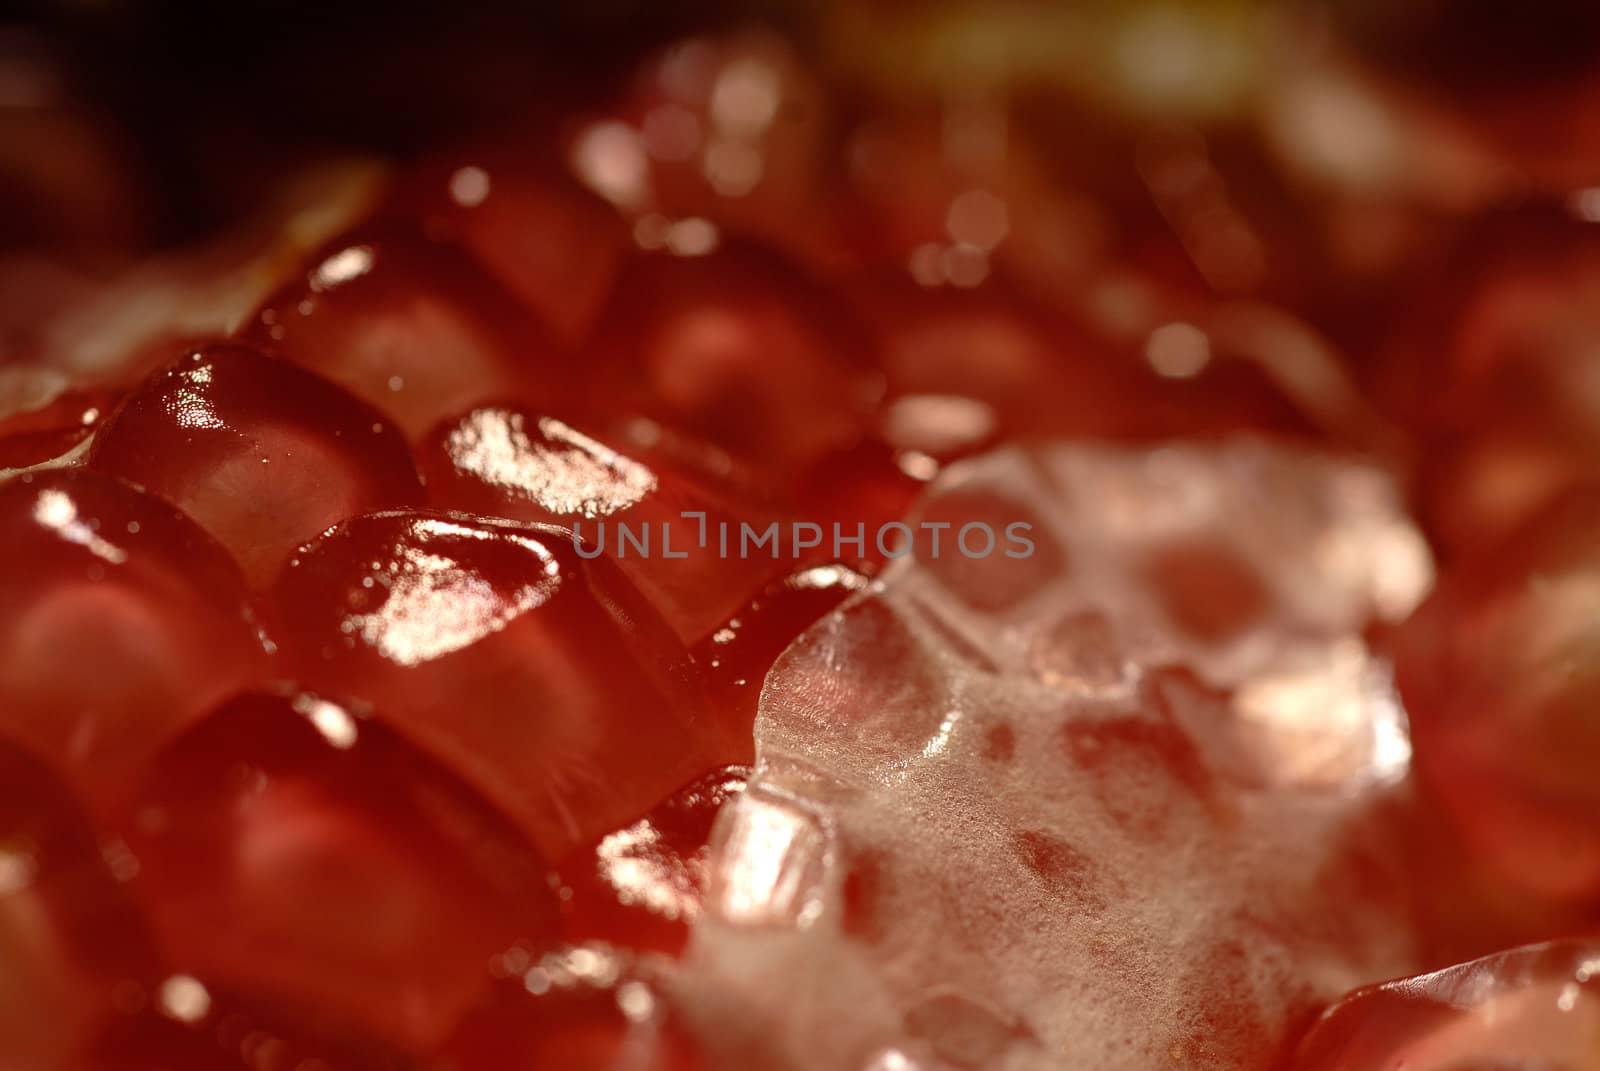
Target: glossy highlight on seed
[(544, 678)]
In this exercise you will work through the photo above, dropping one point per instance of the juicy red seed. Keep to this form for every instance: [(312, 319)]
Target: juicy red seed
[(739, 347), (1501, 692), (737, 656), (545, 679), (70, 940), (122, 623), (48, 432), (641, 886), (412, 326), (1020, 371), (263, 454), (546, 1015), (1524, 1008), (553, 244), (507, 461), (291, 848)]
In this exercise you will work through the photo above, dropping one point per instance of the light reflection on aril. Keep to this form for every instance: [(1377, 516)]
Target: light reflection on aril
[(503, 461), (262, 453), (563, 472), (545, 679), (1531, 1007), (430, 607), (641, 887), (772, 857)]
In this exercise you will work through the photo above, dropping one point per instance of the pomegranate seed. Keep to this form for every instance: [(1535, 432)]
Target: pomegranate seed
[(552, 243), (1017, 371), (263, 454), (290, 847), (739, 347), (71, 943), (109, 578), (412, 326), (737, 656), (508, 461), (1536, 1006), (641, 886), (1492, 369), (545, 679), (36, 435), (1496, 677)]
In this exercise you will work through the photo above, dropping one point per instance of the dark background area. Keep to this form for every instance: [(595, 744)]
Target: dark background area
[(212, 103), (199, 92)]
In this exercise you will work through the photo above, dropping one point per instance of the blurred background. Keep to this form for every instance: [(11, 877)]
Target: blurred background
[(1341, 204)]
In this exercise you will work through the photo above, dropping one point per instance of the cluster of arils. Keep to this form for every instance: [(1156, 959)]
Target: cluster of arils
[(328, 744)]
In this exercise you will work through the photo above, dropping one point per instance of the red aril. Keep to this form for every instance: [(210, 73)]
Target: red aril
[(732, 343), (292, 848), (1500, 685), (640, 886), (412, 326), (737, 656), (1532, 1007), (35, 435), (545, 679), (510, 461), (120, 622), (71, 943), (263, 454), (553, 244)]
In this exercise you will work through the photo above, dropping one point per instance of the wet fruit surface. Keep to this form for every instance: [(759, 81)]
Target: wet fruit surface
[(1508, 757), (654, 522), (1528, 1007), (642, 886), (412, 326), (945, 538), (737, 656), (259, 452), (543, 678)]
